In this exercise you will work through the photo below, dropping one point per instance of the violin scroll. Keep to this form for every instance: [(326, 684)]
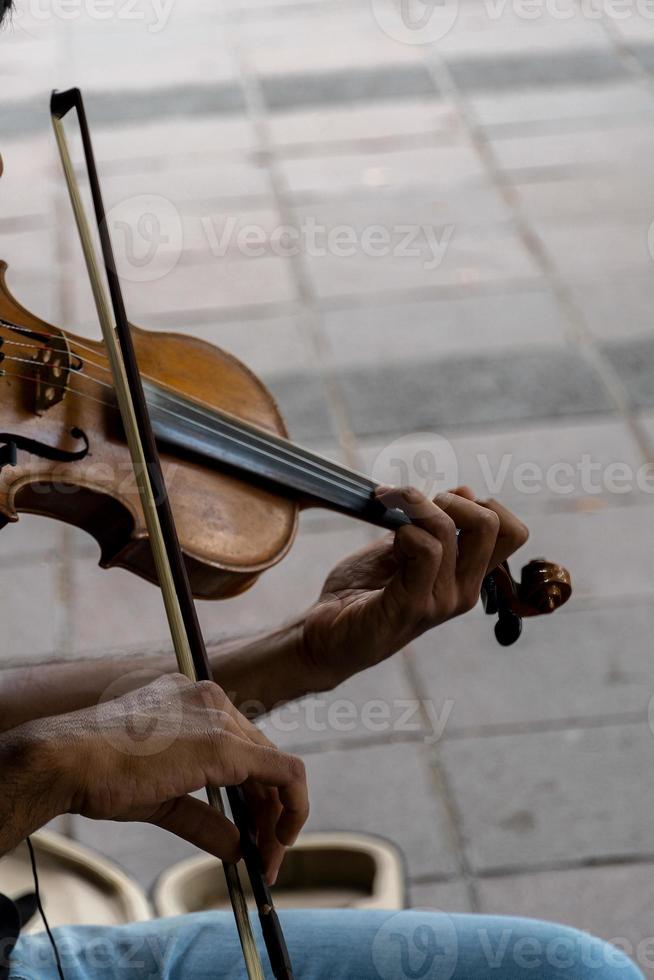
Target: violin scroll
[(544, 586)]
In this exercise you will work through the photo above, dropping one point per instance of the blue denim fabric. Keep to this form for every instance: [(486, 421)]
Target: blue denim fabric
[(331, 945)]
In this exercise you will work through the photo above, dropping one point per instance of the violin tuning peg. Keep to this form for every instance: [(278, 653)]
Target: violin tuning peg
[(508, 628), (544, 585)]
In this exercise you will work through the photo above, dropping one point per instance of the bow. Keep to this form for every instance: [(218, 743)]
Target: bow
[(173, 578)]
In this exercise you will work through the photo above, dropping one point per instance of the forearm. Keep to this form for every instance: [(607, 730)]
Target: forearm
[(257, 673)]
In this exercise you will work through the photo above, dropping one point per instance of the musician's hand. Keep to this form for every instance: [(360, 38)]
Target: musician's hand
[(139, 756), (379, 599)]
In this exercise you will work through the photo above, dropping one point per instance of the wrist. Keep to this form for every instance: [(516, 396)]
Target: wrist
[(35, 785), (318, 667), (263, 672)]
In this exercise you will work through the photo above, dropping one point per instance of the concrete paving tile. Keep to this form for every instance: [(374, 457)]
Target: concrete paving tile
[(390, 120), (222, 284), (384, 790), (485, 32), (588, 248), (397, 171), (29, 57), (114, 611), (33, 612), (167, 64), (452, 392), (170, 140), (270, 347), (446, 896), (28, 186), (581, 198), (31, 251), (608, 551), (621, 103), (444, 255), (30, 536), (472, 206), (536, 798), (228, 177), (287, 589), (579, 664), (38, 291), (294, 42), (377, 703), (616, 308), (304, 403), (407, 332), (530, 468), (307, 51), (636, 28), (616, 903), (579, 151), (211, 233)]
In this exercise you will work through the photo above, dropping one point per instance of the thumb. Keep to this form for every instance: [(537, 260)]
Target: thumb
[(200, 824)]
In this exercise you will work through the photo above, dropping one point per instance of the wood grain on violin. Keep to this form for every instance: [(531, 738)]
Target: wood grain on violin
[(235, 482), (230, 529)]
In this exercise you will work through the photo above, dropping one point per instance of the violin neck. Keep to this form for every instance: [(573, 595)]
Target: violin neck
[(192, 429)]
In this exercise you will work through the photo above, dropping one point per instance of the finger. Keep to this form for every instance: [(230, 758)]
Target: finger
[(264, 806), (478, 531), (198, 823), (267, 808), (511, 536), (466, 492), (291, 806), (425, 514), (512, 532), (294, 813), (239, 759)]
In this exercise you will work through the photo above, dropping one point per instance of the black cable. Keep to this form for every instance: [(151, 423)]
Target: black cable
[(39, 905)]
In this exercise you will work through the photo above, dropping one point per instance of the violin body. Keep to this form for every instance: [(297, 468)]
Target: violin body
[(230, 529)]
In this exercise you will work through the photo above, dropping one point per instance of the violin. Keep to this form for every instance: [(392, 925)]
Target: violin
[(174, 456), (236, 483)]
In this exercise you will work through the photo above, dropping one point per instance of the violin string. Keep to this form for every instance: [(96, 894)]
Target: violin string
[(285, 444), (362, 492), (349, 479), (54, 384), (358, 480)]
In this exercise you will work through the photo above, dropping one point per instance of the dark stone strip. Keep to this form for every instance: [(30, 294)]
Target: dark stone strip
[(498, 72), (128, 108), (445, 394), (633, 361), (644, 54), (342, 87), (295, 91)]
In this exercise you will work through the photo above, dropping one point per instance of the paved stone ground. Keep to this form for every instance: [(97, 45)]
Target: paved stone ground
[(515, 151)]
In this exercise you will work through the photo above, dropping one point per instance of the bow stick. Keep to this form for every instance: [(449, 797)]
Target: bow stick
[(173, 579)]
